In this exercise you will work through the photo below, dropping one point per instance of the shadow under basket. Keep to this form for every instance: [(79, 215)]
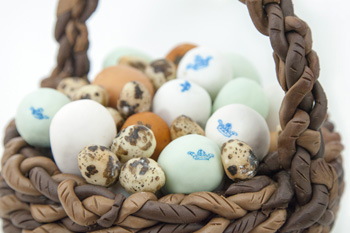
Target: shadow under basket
[(297, 188)]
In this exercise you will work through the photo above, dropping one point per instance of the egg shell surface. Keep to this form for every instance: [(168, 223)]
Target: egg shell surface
[(34, 115), (79, 124), (114, 78), (177, 53), (113, 57), (206, 67), (158, 126), (181, 97), (191, 163), (243, 91), (237, 121)]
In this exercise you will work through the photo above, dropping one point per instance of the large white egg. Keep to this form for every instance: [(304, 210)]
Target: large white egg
[(206, 67), (237, 121), (181, 97), (77, 125)]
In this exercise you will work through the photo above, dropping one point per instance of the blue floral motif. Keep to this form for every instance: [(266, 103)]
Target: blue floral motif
[(200, 155), (185, 86), (199, 63), (38, 113), (226, 129)]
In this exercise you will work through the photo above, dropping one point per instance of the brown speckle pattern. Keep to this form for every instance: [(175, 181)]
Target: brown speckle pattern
[(184, 125)]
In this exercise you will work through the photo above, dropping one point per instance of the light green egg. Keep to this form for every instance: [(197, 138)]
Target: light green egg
[(34, 115), (113, 57), (242, 67), (191, 163), (243, 91)]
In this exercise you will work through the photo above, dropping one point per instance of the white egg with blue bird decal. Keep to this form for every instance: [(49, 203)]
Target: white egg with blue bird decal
[(206, 67), (182, 97), (237, 121), (191, 163), (34, 115)]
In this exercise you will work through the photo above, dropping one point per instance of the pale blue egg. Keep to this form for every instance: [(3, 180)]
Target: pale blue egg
[(191, 163), (34, 115)]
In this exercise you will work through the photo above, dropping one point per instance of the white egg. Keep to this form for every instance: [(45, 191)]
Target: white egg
[(75, 126)]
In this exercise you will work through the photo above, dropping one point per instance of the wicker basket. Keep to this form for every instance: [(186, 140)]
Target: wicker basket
[(297, 189)]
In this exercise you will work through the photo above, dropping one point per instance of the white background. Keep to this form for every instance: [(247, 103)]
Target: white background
[(28, 48)]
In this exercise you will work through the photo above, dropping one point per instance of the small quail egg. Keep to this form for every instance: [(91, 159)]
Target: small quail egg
[(68, 86), (160, 71), (184, 125), (118, 119), (134, 61), (93, 92)]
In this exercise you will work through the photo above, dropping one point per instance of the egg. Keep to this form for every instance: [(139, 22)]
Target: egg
[(68, 86), (160, 71), (34, 115), (177, 53), (237, 121), (114, 56), (242, 67), (98, 165), (275, 95), (158, 126), (114, 78), (92, 92), (191, 163), (243, 91), (184, 125), (117, 117), (134, 141), (182, 97), (134, 98), (76, 125), (239, 160), (134, 61), (142, 175), (205, 67)]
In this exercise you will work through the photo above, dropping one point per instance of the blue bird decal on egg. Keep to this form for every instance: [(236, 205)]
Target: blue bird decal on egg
[(199, 63), (226, 129), (38, 113), (185, 86), (200, 155)]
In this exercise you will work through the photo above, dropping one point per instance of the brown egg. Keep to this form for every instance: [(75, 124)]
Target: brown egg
[(114, 78), (176, 54), (156, 124)]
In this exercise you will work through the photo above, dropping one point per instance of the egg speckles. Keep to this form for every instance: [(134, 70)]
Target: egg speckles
[(134, 141), (98, 165), (142, 175), (93, 92), (134, 98), (184, 125), (239, 161), (160, 71), (68, 86)]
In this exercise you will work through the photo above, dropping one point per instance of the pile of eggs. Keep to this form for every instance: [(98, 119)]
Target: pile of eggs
[(177, 124)]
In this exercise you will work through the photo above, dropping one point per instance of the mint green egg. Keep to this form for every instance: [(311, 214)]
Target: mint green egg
[(191, 163), (113, 57), (242, 67), (34, 115), (243, 91)]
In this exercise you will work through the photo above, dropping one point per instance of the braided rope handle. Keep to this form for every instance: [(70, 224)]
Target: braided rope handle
[(297, 189)]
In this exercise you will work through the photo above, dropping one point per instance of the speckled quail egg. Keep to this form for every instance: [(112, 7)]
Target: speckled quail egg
[(160, 71), (142, 175), (134, 61), (68, 86), (93, 92), (184, 125), (98, 165), (117, 117), (134, 98), (134, 141), (240, 163)]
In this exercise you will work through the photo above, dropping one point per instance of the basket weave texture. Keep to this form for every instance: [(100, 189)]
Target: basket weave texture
[(297, 189)]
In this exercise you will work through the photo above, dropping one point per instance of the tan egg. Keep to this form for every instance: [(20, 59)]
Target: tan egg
[(133, 61), (160, 71), (93, 92), (142, 175), (134, 98), (98, 165), (134, 141), (184, 125), (68, 86), (117, 117), (240, 163)]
